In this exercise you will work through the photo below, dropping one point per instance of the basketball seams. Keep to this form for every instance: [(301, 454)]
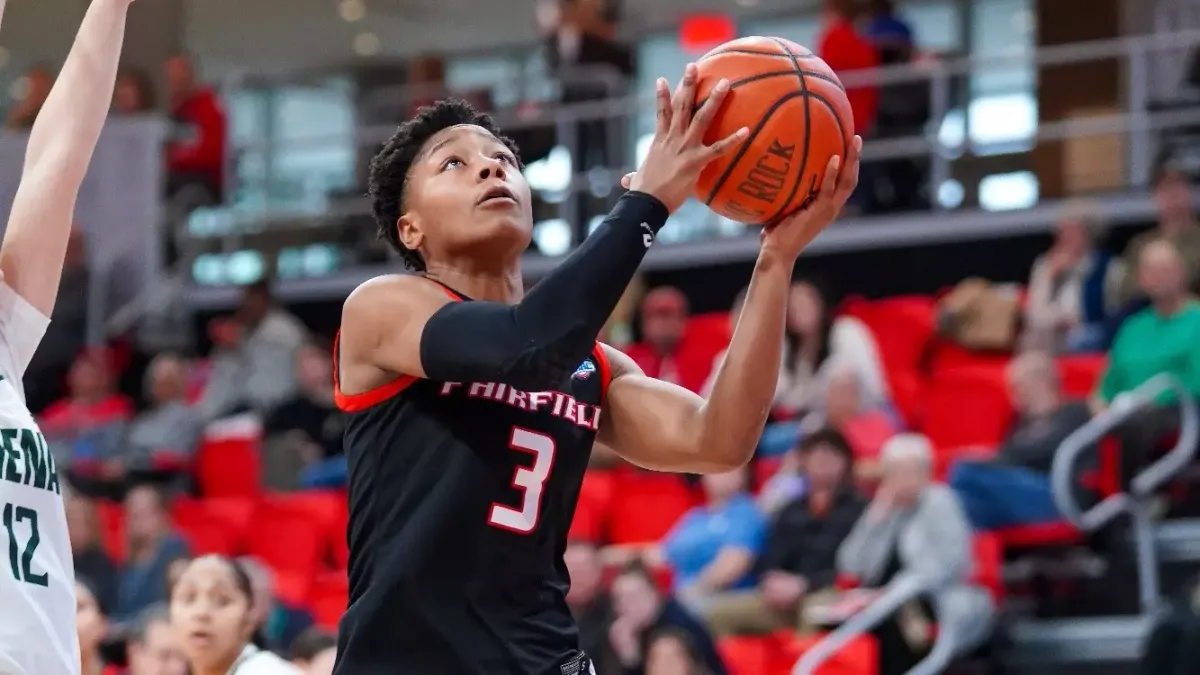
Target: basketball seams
[(769, 75), (737, 157), (788, 54), (807, 132)]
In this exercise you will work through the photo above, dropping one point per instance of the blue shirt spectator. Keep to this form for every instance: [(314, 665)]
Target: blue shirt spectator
[(713, 547)]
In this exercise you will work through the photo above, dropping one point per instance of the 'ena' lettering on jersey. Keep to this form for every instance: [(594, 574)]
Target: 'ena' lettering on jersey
[(26, 460), (555, 402)]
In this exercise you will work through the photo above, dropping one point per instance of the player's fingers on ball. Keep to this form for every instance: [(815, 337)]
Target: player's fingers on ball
[(685, 99), (662, 101), (708, 111), (725, 145), (829, 182)]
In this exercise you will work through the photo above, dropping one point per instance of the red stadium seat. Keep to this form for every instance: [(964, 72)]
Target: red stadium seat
[(710, 328), (967, 407), (112, 528), (764, 469), (745, 655), (328, 598), (324, 507), (341, 548), (1081, 373), (231, 515), (902, 328), (1041, 535), (989, 558), (647, 506), (859, 657), (228, 467), (286, 538), (595, 501)]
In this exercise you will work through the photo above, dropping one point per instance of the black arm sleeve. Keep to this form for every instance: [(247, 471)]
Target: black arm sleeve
[(541, 340)]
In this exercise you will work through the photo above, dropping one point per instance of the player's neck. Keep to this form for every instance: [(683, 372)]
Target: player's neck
[(489, 285)]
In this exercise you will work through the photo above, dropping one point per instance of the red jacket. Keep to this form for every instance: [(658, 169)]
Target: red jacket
[(845, 50), (202, 149)]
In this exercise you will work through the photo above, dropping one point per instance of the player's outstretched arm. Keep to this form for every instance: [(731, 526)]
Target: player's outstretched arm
[(664, 427), (406, 325), (60, 147)]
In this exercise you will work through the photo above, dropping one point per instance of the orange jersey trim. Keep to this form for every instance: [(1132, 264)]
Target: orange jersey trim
[(605, 370)]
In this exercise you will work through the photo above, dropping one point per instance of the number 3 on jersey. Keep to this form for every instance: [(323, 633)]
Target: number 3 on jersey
[(21, 558), (531, 481)]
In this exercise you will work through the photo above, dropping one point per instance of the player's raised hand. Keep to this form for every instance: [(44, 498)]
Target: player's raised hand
[(678, 152), (790, 235)]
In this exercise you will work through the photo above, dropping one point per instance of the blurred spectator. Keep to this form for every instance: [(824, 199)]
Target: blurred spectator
[(802, 548), (867, 426), (1013, 488), (915, 531), (153, 647), (888, 32), (304, 434), (252, 367), (641, 612), (37, 83), (151, 546), (671, 652), (87, 549), (712, 548), (665, 353), (734, 312), (1176, 223), (196, 151), (1072, 291), (134, 93), (46, 378), (308, 646), (91, 626), (278, 623), (1161, 338), (817, 345), (87, 430), (846, 51), (170, 426), (590, 604)]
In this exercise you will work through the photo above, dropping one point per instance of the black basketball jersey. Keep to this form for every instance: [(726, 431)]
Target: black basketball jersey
[(461, 495)]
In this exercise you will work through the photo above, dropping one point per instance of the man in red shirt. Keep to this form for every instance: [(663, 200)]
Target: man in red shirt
[(846, 50), (664, 352), (196, 151)]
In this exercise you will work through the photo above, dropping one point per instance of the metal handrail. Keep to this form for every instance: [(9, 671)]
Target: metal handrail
[(904, 588), (1136, 502), (1124, 407)]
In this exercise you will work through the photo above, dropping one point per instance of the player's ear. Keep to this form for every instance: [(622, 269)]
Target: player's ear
[(409, 229)]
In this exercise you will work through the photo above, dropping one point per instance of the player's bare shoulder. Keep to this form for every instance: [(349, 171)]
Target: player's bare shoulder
[(383, 319)]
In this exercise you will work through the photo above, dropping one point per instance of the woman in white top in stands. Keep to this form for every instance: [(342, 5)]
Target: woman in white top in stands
[(211, 612), (37, 588), (818, 345)]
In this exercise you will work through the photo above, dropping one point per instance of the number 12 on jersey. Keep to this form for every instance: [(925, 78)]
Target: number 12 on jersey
[(531, 481), (21, 557)]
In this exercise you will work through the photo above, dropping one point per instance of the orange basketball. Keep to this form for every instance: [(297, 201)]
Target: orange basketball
[(798, 116)]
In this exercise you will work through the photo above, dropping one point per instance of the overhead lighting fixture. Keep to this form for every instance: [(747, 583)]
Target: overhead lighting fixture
[(366, 44), (352, 11)]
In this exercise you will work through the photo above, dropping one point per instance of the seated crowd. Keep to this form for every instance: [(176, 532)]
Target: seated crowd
[(870, 490)]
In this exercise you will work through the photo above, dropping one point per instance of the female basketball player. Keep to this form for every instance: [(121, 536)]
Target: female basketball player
[(37, 589), (211, 614), (474, 406)]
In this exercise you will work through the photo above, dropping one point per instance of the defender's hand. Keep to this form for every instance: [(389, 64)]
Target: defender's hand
[(678, 153), (789, 236)]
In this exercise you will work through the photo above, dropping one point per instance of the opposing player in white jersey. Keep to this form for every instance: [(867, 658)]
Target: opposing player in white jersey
[(37, 578)]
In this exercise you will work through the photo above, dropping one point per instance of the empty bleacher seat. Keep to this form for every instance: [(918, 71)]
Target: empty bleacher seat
[(648, 506), (967, 407)]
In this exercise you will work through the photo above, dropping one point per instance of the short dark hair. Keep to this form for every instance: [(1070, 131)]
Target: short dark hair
[(828, 437), (390, 167), (638, 568)]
